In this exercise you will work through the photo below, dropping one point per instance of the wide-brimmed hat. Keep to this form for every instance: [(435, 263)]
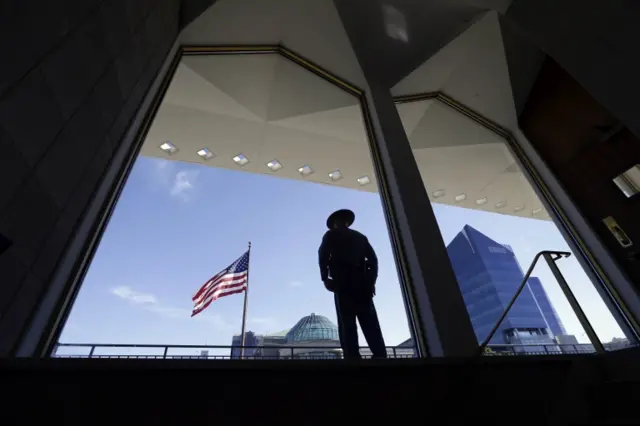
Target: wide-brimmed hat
[(345, 215)]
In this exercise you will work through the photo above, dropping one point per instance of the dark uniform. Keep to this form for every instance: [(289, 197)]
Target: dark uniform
[(350, 266)]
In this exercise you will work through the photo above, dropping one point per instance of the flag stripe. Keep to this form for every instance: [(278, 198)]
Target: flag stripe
[(215, 280), (222, 281), (206, 305), (215, 296), (232, 280), (208, 283), (219, 285), (220, 289)]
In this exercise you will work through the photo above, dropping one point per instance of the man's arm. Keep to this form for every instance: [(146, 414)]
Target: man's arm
[(324, 254), (372, 259)]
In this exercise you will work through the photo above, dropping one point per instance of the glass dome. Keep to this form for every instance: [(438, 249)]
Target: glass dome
[(313, 327)]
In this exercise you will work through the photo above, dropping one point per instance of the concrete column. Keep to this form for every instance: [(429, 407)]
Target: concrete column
[(441, 323)]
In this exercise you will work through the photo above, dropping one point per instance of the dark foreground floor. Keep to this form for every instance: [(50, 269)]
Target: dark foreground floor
[(491, 390)]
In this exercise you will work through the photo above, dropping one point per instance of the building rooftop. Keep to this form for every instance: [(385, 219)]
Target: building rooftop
[(311, 328), (282, 333)]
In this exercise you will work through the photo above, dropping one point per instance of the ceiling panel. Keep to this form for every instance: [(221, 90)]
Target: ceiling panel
[(311, 28), (453, 152), (248, 79), (473, 70)]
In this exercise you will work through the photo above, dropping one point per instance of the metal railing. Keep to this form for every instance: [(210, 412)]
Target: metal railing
[(97, 350), (276, 352), (550, 257), (539, 349)]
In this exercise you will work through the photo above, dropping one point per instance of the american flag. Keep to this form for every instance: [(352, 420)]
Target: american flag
[(230, 280)]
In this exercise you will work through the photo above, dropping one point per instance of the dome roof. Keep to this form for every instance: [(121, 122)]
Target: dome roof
[(313, 327)]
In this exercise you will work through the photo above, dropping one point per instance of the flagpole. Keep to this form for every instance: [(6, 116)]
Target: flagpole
[(244, 310)]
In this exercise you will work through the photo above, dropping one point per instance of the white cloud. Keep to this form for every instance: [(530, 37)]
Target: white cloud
[(180, 184), (133, 296), (150, 303), (183, 184), (296, 283)]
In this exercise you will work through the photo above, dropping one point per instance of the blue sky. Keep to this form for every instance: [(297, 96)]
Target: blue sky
[(177, 224)]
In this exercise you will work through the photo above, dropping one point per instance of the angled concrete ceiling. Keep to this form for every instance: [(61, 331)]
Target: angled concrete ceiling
[(463, 163), (267, 108), (473, 70), (455, 155), (396, 36), (311, 28)]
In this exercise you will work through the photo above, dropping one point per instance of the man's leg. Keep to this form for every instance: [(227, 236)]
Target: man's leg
[(347, 328), (368, 319)]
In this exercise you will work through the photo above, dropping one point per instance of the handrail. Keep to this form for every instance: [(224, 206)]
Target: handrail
[(292, 351), (161, 346), (551, 257)]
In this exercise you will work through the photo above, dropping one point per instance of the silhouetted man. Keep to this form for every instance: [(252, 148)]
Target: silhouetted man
[(349, 269)]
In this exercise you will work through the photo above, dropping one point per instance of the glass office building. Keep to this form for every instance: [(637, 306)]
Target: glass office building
[(551, 316), (489, 275)]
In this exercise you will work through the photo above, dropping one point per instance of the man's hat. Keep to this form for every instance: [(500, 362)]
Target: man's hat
[(345, 215)]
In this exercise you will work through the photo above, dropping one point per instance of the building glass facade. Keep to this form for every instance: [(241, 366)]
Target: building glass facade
[(313, 327), (488, 275), (549, 312)]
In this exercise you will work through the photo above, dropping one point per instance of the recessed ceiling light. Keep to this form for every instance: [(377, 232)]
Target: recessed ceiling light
[(461, 197), (335, 175), (481, 201), (500, 204), (205, 154), (439, 193), (305, 170), (536, 211), (274, 165), (240, 160), (169, 148), (518, 208), (364, 180)]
